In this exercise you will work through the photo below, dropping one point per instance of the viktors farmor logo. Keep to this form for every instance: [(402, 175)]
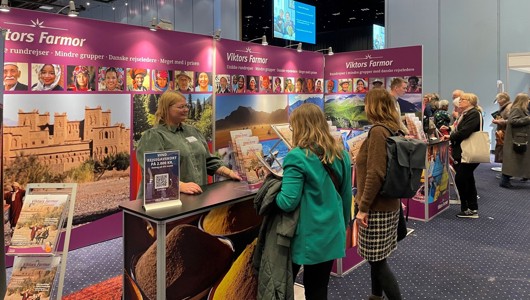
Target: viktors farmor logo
[(45, 37)]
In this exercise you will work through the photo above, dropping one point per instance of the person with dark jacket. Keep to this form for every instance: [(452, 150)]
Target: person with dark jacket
[(272, 257), (501, 120), (516, 162), (468, 122)]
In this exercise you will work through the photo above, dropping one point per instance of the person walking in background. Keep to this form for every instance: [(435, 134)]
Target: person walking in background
[(501, 119), (468, 122), (325, 208), (516, 156), (377, 216)]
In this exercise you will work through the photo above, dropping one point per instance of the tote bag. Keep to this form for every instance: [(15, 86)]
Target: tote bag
[(476, 148)]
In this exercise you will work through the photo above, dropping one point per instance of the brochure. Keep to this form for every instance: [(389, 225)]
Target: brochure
[(32, 277), (39, 225)]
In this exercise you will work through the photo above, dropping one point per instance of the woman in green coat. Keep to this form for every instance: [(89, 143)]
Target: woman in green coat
[(324, 209)]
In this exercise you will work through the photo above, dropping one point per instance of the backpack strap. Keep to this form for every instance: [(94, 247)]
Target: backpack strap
[(392, 133)]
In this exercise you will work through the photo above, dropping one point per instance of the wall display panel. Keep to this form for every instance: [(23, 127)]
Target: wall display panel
[(72, 132), (263, 80), (349, 76)]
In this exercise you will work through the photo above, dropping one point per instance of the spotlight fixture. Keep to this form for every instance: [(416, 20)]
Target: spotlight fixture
[(330, 51), (263, 40), (72, 12), (4, 7), (217, 34), (153, 24), (298, 47)]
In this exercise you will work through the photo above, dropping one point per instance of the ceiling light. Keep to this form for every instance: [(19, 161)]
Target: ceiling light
[(263, 40), (336, 14), (4, 7), (330, 51), (217, 34), (87, 3), (153, 24), (365, 9), (298, 47), (72, 12)]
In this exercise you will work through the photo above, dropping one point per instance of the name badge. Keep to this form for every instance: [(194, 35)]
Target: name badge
[(191, 139)]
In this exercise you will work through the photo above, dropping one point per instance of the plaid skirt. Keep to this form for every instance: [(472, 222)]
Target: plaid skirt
[(380, 238)]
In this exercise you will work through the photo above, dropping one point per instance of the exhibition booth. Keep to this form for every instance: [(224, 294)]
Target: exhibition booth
[(87, 90)]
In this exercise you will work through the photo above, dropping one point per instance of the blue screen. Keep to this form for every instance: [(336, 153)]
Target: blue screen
[(294, 21), (378, 37)]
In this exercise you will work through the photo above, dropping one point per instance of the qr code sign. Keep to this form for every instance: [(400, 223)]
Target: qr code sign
[(161, 181)]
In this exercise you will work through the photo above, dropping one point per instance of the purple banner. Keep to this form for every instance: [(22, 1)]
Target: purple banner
[(52, 38), (234, 57), (405, 61)]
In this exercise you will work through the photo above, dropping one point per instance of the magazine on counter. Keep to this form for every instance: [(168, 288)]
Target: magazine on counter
[(32, 277), (161, 178), (38, 227)]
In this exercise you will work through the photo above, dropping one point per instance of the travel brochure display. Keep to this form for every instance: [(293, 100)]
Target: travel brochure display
[(251, 166), (161, 179), (39, 225), (32, 277)]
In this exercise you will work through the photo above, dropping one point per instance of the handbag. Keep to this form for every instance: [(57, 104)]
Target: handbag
[(520, 142), (476, 148)]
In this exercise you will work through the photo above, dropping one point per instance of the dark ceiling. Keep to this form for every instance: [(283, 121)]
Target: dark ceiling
[(331, 15)]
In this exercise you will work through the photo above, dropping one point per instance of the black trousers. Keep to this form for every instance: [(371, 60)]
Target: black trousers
[(316, 279), (465, 183)]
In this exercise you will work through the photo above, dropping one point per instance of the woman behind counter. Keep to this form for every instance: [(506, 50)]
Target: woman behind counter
[(170, 133)]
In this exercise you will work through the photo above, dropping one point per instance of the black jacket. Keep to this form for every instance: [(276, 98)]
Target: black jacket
[(469, 123)]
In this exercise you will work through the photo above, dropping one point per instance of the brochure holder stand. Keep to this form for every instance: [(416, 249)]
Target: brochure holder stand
[(60, 189)]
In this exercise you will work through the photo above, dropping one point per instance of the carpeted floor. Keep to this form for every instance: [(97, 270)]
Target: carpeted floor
[(445, 258)]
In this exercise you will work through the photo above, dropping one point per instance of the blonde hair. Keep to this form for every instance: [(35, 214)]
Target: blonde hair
[(472, 99), (311, 132), (167, 99), (521, 102), (380, 108), (502, 98)]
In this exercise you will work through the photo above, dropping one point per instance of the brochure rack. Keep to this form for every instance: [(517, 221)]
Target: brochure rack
[(69, 189)]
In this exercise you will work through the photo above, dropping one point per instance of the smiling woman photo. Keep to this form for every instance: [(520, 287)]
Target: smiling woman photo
[(48, 76)]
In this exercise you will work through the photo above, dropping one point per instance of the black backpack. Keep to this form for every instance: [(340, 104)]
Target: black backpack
[(405, 163)]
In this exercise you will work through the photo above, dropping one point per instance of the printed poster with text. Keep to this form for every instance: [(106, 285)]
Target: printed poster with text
[(79, 94), (349, 76)]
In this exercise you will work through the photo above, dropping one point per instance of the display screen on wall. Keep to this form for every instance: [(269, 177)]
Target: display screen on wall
[(294, 21), (378, 37)]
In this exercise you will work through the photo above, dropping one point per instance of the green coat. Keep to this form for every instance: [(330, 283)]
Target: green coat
[(324, 213)]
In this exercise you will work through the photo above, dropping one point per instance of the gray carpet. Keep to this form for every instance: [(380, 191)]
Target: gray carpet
[(452, 258), (445, 258)]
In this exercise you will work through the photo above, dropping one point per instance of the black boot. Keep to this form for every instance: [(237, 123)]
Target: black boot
[(505, 182)]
